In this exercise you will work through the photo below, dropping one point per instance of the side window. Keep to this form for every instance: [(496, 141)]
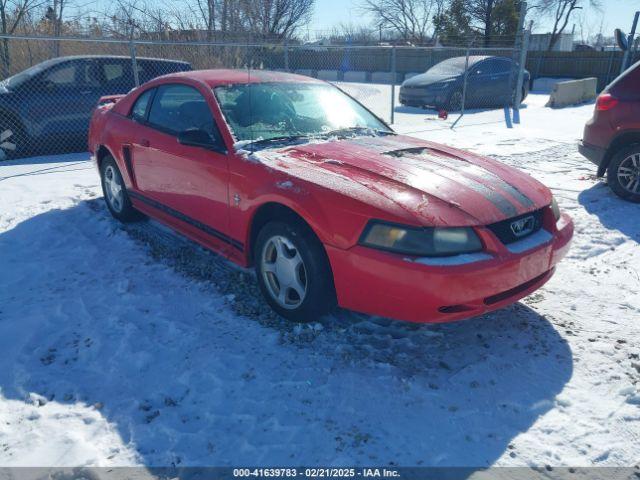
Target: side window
[(145, 72), (500, 66), (117, 75), (139, 110), (177, 108), (481, 68), (89, 74), (113, 71), (61, 75)]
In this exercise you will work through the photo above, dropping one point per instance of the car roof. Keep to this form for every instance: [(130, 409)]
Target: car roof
[(56, 60), (473, 59), (218, 77)]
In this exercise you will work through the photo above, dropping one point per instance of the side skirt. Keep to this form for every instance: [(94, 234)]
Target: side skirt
[(210, 231)]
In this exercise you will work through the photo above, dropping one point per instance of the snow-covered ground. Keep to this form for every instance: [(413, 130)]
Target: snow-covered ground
[(128, 345)]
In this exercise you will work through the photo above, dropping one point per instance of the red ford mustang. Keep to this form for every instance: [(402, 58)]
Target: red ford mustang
[(291, 175)]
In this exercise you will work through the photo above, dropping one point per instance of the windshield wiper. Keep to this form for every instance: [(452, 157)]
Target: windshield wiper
[(340, 132), (281, 139), (348, 130)]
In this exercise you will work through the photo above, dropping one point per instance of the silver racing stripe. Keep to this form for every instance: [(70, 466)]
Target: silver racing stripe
[(501, 202), (474, 170), (478, 171)]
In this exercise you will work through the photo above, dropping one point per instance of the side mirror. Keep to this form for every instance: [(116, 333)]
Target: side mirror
[(196, 138), (621, 40)]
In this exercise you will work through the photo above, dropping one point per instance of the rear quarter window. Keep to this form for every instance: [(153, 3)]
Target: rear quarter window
[(139, 110)]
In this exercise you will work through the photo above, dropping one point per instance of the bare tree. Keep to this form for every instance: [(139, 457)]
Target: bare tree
[(12, 14), (214, 17), (561, 12), (58, 19), (411, 20), (276, 18), (350, 33)]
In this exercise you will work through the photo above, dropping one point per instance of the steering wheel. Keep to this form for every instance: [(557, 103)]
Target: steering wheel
[(285, 111)]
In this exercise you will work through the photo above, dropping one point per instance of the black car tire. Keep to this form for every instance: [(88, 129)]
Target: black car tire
[(454, 102), (125, 212), (622, 167), (14, 142), (299, 244)]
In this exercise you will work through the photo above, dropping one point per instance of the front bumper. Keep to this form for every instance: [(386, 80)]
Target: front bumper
[(422, 97), (393, 286)]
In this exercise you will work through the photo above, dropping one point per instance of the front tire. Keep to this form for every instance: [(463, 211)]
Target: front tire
[(623, 173), (13, 140), (454, 103), (115, 192), (293, 271)]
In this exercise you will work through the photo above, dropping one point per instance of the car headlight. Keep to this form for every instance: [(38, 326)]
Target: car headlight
[(420, 242), (555, 209)]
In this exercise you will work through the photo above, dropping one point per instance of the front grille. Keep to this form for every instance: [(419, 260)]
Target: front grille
[(504, 232)]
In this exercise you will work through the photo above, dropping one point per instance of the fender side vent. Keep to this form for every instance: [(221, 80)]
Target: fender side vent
[(126, 154)]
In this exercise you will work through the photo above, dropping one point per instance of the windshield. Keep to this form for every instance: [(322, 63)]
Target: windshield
[(452, 66), (271, 111), (20, 78)]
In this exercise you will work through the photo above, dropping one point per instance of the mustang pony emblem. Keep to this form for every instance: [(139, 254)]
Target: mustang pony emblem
[(523, 226)]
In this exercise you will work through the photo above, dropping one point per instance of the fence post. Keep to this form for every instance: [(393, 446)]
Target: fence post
[(134, 62), (519, 83), (286, 56), (625, 57), (464, 87), (517, 43), (5, 58), (394, 78)]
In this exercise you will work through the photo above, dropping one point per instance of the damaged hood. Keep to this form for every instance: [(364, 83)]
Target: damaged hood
[(434, 184)]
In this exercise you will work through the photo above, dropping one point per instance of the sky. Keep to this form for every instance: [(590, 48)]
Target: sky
[(612, 14)]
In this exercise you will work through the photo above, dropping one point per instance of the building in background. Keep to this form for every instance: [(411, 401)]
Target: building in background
[(540, 42)]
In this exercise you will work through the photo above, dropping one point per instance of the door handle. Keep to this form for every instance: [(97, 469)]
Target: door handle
[(145, 143)]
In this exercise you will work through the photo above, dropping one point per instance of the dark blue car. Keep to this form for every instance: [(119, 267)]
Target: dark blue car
[(46, 108), (442, 85)]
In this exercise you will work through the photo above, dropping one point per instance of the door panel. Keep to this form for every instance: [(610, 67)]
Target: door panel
[(63, 99), (489, 81), (188, 179), (191, 182)]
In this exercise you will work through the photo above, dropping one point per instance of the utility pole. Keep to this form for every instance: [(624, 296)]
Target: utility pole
[(625, 57)]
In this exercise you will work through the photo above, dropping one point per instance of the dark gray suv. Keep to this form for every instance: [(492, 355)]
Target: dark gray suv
[(46, 108)]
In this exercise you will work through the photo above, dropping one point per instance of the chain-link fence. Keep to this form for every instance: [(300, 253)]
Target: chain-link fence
[(50, 86), (605, 66)]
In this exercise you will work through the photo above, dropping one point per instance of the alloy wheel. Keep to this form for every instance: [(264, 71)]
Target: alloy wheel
[(7, 142), (629, 173), (113, 189), (284, 272)]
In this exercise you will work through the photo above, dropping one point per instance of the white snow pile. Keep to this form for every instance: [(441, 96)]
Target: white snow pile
[(128, 345)]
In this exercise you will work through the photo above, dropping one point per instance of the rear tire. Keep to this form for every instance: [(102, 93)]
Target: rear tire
[(623, 173), (293, 271), (115, 192)]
